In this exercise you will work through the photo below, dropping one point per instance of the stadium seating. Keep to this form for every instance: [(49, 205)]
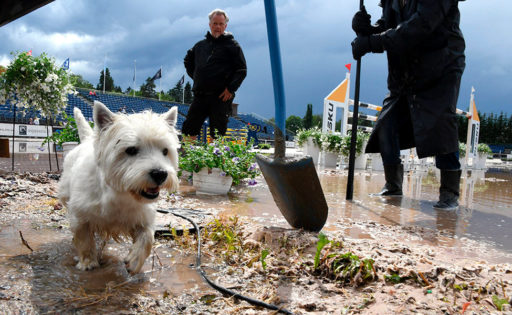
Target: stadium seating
[(119, 102)]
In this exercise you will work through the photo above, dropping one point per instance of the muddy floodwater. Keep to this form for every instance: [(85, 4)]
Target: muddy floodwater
[(42, 271), (485, 212)]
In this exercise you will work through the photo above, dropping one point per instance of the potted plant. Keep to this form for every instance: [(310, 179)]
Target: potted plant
[(331, 145), (67, 138), (462, 154), (35, 84), (215, 167), (483, 150), (362, 139), (311, 142)]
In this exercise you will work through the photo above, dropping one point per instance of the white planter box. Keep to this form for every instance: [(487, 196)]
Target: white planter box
[(211, 183), (377, 164), (360, 162), (479, 161), (330, 159), (313, 150)]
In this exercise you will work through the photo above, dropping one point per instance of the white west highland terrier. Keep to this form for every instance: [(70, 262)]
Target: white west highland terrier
[(112, 177)]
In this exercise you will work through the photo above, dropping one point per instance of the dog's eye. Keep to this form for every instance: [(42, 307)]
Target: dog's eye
[(132, 151), (165, 151)]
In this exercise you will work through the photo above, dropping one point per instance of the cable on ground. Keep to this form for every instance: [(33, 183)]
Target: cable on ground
[(213, 284)]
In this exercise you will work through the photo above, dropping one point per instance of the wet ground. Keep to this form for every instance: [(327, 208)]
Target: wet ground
[(485, 212), (47, 278)]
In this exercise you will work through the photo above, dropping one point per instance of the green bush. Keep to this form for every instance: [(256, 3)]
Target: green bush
[(332, 142), (361, 138), (303, 135), (264, 146), (233, 159), (484, 148), (462, 149)]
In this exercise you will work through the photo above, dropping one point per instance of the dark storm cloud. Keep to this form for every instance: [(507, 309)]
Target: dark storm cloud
[(315, 46)]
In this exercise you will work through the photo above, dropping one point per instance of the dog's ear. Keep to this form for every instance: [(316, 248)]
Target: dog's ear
[(103, 117), (172, 116)]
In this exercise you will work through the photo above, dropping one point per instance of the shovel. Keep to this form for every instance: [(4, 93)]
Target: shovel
[(294, 183)]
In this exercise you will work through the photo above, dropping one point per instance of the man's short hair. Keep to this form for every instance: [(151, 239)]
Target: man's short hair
[(218, 12)]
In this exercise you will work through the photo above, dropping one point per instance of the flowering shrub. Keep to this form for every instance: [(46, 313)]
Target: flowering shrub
[(462, 149), (361, 138), (332, 142), (304, 134), (483, 148), (233, 159), (35, 83)]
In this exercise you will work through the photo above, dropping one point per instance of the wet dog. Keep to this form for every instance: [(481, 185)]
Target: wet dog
[(110, 180)]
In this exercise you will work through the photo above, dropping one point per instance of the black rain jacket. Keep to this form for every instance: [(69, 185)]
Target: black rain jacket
[(215, 64), (425, 50)]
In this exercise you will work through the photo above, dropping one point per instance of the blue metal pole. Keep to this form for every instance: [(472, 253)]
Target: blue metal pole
[(275, 62)]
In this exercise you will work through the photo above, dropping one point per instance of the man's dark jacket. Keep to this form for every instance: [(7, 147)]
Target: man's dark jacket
[(425, 50), (215, 64)]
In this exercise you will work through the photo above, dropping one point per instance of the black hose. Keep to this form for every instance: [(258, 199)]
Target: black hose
[(218, 287)]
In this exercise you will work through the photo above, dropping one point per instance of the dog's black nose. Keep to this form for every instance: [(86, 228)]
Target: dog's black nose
[(158, 175)]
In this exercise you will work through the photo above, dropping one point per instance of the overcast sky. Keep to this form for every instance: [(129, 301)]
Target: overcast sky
[(315, 38)]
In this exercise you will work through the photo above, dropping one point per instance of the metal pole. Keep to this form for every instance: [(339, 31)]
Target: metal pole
[(13, 133), (49, 154), (353, 140), (160, 92), (104, 73)]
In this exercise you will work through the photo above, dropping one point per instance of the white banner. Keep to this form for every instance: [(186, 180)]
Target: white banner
[(34, 131), (29, 146)]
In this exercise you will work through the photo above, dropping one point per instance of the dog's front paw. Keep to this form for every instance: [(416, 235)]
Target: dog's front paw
[(87, 264), (134, 261)]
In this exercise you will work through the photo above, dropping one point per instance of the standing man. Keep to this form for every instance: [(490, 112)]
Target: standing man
[(425, 50), (217, 66)]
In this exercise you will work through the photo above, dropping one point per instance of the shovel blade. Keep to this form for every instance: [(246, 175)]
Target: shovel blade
[(296, 189)]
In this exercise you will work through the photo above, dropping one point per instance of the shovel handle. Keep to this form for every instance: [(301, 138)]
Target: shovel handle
[(277, 77), (355, 117)]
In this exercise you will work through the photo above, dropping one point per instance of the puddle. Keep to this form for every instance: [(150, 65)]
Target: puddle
[(50, 277), (485, 213)]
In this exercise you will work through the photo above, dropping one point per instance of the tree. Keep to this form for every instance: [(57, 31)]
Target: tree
[(188, 93), (308, 118), (176, 93), (79, 82), (316, 121), (109, 82), (294, 123), (148, 89)]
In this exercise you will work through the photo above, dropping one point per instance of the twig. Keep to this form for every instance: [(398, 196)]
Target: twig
[(503, 288), (25, 242), (424, 279), (158, 257)]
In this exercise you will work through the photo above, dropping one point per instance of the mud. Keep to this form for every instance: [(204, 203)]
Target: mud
[(448, 261)]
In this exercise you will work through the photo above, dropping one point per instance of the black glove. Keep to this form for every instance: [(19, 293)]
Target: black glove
[(361, 23), (365, 44)]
